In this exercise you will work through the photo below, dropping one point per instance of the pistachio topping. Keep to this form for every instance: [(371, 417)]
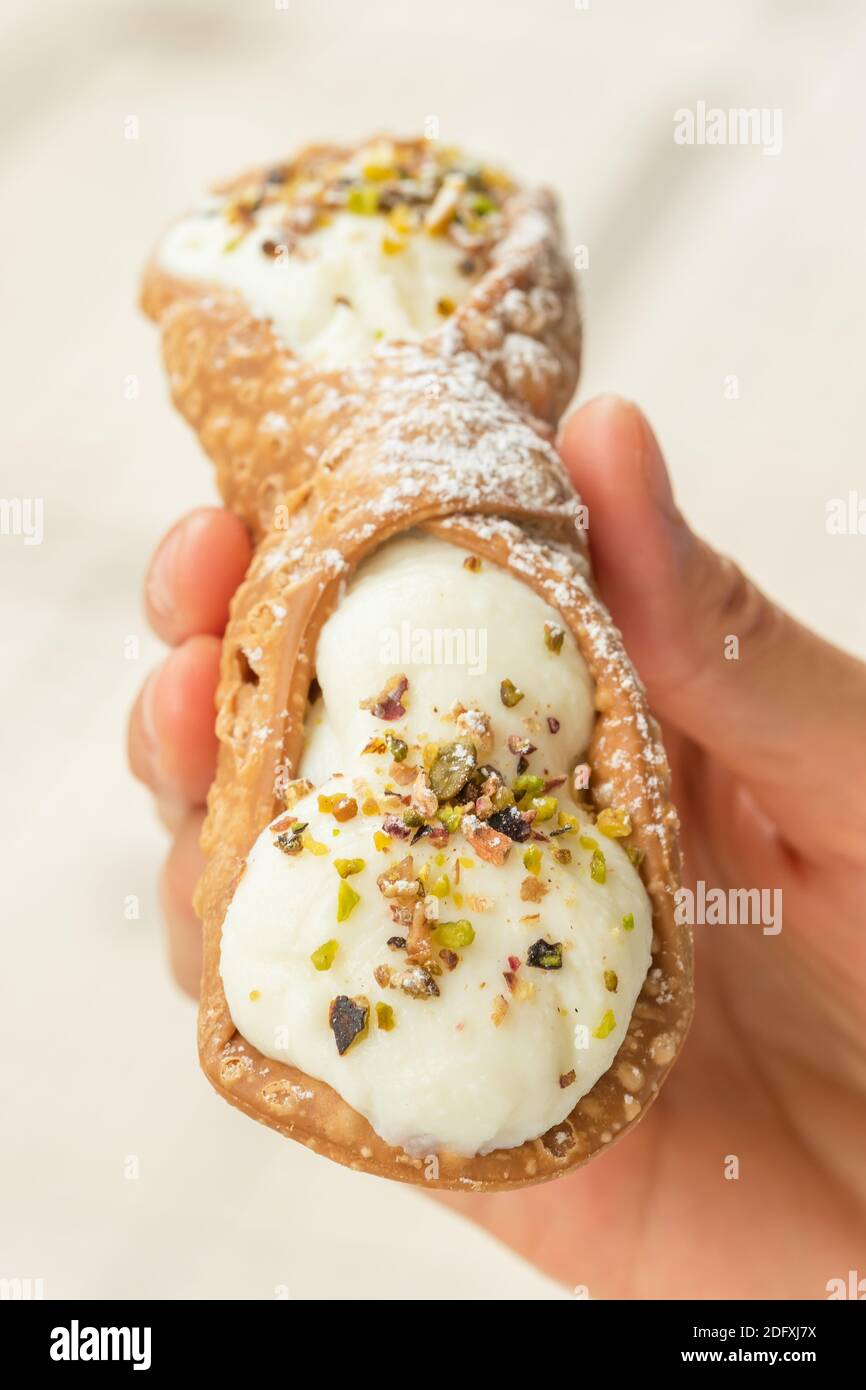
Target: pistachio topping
[(545, 955), (509, 694), (385, 1017), (347, 901), (554, 636), (324, 955), (611, 981), (398, 747), (451, 816), (598, 867), (628, 922), (532, 859), (346, 867), (606, 1026), (527, 784), (454, 935), (544, 808), (452, 768), (291, 841)]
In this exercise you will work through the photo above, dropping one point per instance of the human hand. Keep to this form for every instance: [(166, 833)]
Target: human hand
[(768, 754), (769, 760), (172, 744)]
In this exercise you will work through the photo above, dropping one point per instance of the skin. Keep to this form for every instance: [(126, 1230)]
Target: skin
[(768, 754)]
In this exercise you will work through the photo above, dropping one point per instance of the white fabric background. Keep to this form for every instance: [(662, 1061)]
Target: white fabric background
[(704, 262)]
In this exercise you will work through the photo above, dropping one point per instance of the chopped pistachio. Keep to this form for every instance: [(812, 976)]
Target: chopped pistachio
[(628, 922), (613, 823), (441, 886), (567, 822), (606, 1026), (634, 853), (255, 995), (323, 956), (398, 747), (346, 867), (611, 981), (313, 845), (554, 636), (452, 935), (452, 768), (587, 842), (598, 867), (509, 694), (363, 200), (532, 859), (545, 808), (562, 855), (545, 955), (291, 841), (385, 1017), (527, 784), (370, 807), (450, 816), (381, 840), (347, 900), (412, 818)]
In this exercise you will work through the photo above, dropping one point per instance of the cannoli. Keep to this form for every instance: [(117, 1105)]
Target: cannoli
[(440, 942)]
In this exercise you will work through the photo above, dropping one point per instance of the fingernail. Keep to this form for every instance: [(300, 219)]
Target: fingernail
[(148, 719), (162, 579), (657, 476)]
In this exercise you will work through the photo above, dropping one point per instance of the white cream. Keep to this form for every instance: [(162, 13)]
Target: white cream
[(301, 291), (446, 1076)]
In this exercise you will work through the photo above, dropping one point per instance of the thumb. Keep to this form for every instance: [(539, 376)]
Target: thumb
[(780, 707)]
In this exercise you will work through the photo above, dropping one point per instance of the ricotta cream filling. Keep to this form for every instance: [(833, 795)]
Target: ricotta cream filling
[(511, 1039), (334, 292)]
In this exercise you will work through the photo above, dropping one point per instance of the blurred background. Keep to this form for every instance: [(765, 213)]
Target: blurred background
[(724, 291)]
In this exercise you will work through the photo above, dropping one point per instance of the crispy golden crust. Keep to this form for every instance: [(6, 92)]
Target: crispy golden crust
[(447, 435)]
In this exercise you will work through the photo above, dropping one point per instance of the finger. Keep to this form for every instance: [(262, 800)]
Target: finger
[(778, 705), (181, 873), (172, 742), (193, 574)]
